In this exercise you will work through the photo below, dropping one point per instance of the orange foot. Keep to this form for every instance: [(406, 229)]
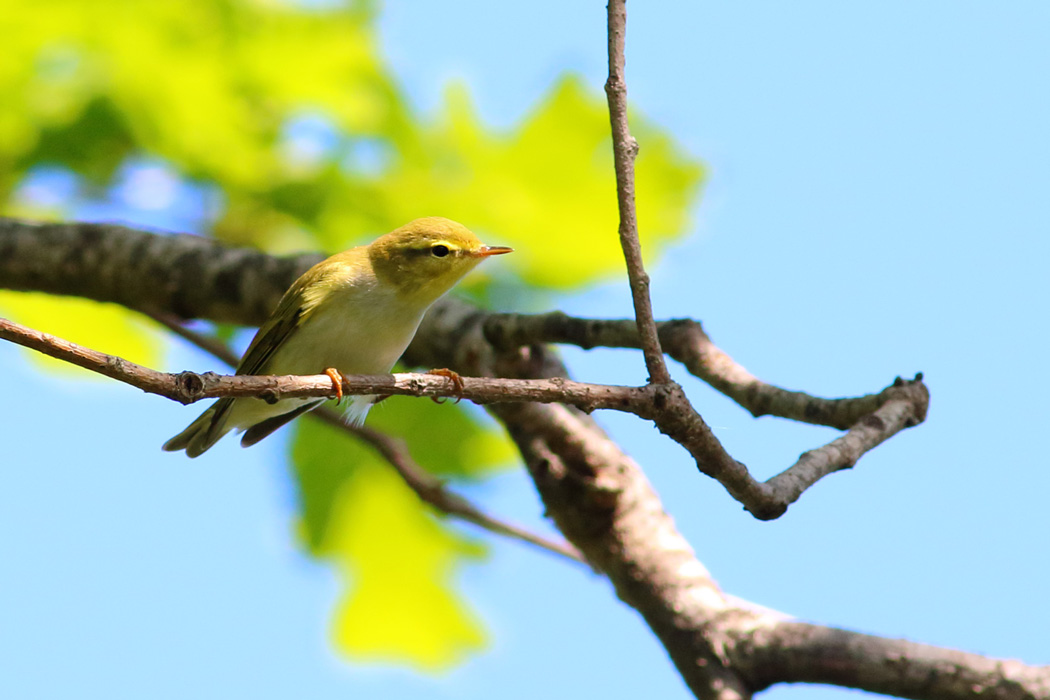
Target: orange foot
[(337, 382), (457, 384)]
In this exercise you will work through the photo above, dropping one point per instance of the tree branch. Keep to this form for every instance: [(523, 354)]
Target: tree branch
[(189, 387), (686, 341), (874, 418), (625, 149), (797, 652)]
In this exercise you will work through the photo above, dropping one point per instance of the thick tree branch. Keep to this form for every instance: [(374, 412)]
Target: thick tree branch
[(603, 503), (182, 275), (625, 149), (798, 652)]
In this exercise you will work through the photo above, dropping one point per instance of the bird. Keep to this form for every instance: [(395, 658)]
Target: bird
[(353, 313)]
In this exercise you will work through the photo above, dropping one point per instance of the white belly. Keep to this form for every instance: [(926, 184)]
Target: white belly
[(352, 338)]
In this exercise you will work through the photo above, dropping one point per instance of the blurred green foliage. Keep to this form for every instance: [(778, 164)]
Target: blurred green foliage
[(213, 90)]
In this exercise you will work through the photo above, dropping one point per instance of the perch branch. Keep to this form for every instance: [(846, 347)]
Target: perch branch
[(189, 387)]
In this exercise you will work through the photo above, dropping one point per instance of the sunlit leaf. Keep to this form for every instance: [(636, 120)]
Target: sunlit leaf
[(444, 437), (107, 328), (546, 188), (398, 559)]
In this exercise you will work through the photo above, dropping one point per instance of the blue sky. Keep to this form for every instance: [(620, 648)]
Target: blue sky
[(875, 207)]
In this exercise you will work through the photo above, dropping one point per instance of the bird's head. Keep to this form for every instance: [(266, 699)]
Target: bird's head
[(425, 258)]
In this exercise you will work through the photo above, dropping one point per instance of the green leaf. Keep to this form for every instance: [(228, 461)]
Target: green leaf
[(446, 438), (546, 188), (108, 328), (397, 559)]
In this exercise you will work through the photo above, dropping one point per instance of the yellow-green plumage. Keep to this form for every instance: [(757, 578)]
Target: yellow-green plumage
[(355, 312)]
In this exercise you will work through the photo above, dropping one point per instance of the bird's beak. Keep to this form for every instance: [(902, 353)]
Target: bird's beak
[(487, 250)]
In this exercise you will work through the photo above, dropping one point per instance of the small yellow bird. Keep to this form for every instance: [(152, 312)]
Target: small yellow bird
[(354, 313)]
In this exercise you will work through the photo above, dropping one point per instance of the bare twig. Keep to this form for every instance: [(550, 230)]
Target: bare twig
[(431, 489), (676, 418), (213, 346), (686, 341), (625, 149), (189, 387)]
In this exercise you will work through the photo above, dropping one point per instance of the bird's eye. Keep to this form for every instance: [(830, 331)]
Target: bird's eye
[(439, 250)]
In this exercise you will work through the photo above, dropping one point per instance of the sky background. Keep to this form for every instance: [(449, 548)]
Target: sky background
[(876, 206)]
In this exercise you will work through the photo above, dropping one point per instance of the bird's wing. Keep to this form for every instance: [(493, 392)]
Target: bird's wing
[(294, 308)]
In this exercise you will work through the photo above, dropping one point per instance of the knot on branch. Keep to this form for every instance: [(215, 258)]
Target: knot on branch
[(915, 392), (767, 509), (667, 396), (190, 386), (679, 335)]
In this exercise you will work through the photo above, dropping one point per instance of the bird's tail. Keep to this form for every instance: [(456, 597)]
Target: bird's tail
[(204, 432)]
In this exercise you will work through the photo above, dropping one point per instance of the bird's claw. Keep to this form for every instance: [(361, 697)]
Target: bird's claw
[(337, 383), (457, 384)]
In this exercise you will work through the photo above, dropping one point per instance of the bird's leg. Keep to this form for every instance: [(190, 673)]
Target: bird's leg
[(457, 383), (337, 383)]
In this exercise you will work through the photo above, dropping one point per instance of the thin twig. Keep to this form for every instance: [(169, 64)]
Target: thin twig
[(431, 489), (189, 387), (426, 486), (685, 340), (213, 346), (770, 499), (625, 149)]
